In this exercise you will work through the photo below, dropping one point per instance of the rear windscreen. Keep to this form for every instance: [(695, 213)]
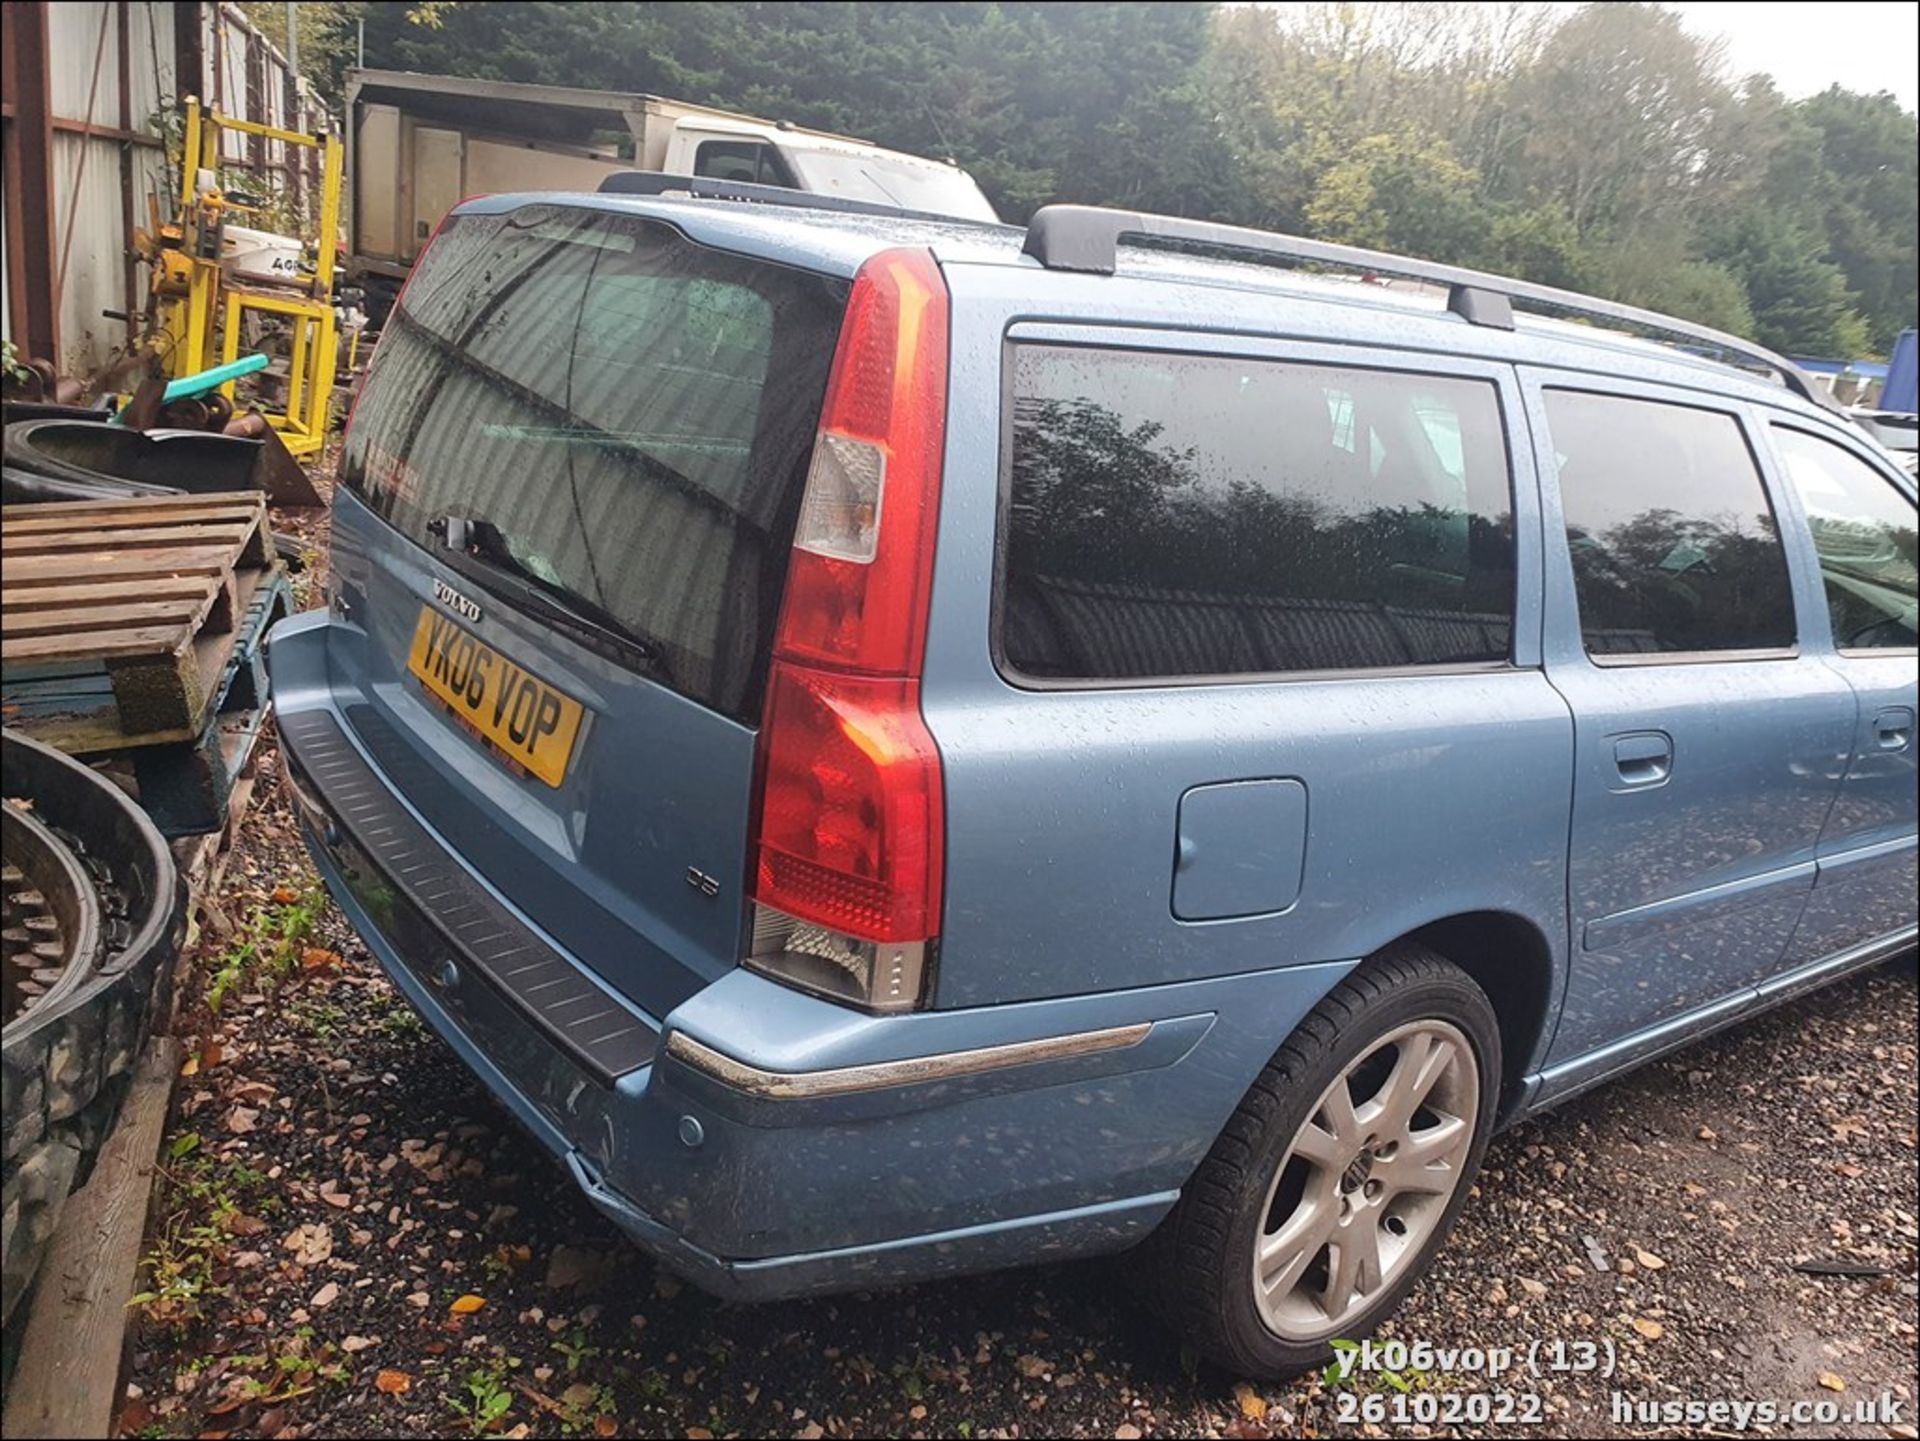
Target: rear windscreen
[(628, 414)]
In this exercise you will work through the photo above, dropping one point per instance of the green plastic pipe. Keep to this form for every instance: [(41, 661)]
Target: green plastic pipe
[(204, 381)]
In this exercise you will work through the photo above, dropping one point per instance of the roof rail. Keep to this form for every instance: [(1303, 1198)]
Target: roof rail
[(703, 187), (1087, 238)]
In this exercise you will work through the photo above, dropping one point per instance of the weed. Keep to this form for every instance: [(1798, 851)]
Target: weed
[(400, 1023), (270, 945), (576, 1350), (912, 1375), (488, 1398), (180, 1264), (1412, 1379), (654, 1384)]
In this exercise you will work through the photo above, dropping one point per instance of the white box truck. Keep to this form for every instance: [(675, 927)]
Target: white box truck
[(418, 144)]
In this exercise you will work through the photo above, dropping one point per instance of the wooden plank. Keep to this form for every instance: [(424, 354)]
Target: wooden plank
[(141, 641), (76, 619), (67, 1380), (27, 520), (20, 600), (148, 505), (90, 565), (198, 533)]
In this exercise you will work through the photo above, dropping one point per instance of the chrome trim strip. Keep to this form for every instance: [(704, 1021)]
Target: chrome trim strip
[(882, 1075)]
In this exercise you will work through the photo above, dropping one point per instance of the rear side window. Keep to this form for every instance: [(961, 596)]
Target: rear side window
[(1675, 549), (1176, 515), (628, 413), (1863, 532)]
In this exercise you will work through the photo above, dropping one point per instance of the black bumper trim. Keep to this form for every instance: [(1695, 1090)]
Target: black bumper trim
[(597, 1032)]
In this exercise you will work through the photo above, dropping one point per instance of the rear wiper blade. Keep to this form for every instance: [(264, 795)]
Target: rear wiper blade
[(479, 543)]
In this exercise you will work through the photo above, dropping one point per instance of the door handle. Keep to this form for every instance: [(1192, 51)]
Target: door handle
[(1643, 759), (1893, 729)]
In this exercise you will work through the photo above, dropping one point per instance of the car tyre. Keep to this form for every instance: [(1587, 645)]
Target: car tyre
[(1239, 1265)]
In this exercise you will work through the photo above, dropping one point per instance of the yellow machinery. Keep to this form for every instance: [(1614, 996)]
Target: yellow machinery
[(189, 287)]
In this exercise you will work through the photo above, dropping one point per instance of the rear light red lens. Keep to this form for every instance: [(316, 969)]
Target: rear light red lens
[(850, 818), (887, 394), (851, 825)]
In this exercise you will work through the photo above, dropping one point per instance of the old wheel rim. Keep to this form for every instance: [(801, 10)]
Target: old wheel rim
[(1366, 1181)]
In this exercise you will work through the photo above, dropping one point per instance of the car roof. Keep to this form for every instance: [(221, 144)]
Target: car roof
[(838, 242)]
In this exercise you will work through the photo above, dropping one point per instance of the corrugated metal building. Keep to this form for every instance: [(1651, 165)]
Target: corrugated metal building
[(90, 95)]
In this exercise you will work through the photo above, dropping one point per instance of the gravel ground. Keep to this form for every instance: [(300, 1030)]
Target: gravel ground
[(355, 1241), (343, 1194)]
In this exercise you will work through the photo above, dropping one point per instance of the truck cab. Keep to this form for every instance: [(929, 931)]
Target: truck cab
[(419, 144)]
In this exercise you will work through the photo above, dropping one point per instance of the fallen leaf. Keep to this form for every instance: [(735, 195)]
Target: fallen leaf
[(699, 1433), (467, 1304), (1648, 1260), (1126, 1431), (317, 958), (1252, 1404), (393, 1383), (310, 1244), (579, 1395), (190, 1066), (605, 1426), (1651, 1329), (1032, 1367), (285, 895), (326, 1295), (242, 1119), (1832, 1382), (353, 1344), (570, 1266)]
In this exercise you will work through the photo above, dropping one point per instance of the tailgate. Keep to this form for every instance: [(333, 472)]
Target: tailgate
[(570, 488)]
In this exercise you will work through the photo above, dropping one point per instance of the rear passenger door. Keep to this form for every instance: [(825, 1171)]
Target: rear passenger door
[(1259, 684), (1859, 522), (1708, 745)]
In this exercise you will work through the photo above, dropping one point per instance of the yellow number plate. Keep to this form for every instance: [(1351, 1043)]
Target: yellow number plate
[(529, 722)]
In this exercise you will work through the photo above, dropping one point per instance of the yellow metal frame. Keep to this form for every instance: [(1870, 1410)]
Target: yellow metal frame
[(313, 347), (303, 424)]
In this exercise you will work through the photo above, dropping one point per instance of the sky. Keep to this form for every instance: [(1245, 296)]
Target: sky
[(1807, 45)]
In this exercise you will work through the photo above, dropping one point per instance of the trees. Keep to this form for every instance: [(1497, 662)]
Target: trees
[(1603, 148)]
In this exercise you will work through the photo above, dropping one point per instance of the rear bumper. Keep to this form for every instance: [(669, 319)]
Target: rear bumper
[(764, 1143)]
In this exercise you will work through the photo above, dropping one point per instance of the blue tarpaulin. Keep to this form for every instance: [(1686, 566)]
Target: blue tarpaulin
[(1903, 370)]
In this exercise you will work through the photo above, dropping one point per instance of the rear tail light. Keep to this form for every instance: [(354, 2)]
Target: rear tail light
[(847, 873)]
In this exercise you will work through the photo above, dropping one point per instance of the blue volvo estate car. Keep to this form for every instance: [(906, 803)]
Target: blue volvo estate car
[(899, 747)]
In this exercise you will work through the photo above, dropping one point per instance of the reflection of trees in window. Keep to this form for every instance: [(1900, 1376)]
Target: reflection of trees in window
[(1666, 581), (1122, 561)]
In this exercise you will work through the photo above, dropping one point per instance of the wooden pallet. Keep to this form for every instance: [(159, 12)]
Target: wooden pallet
[(145, 594), (187, 786)]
